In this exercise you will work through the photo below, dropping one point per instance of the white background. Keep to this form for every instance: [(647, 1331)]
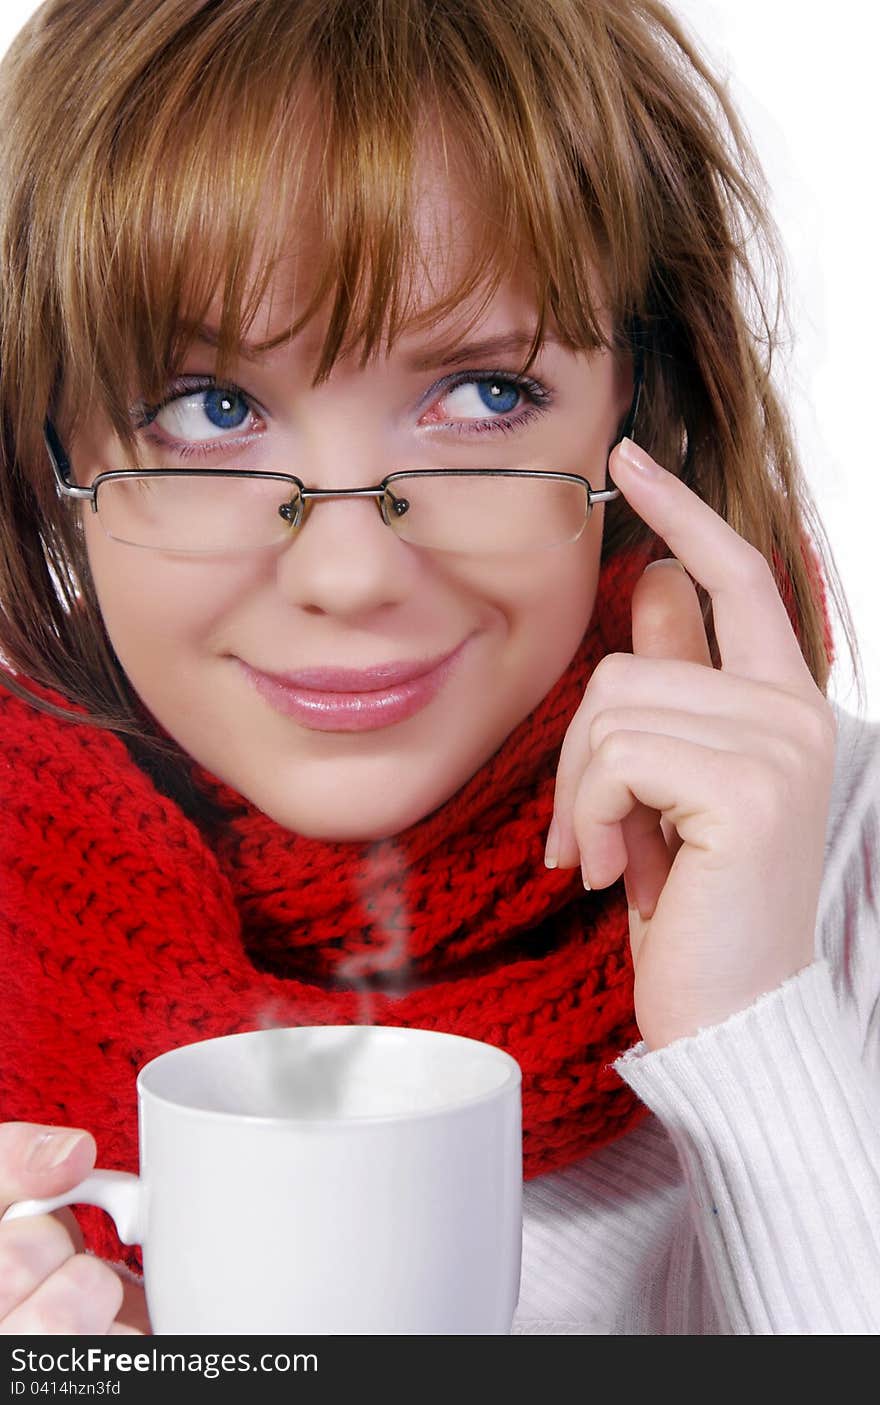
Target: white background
[(804, 78)]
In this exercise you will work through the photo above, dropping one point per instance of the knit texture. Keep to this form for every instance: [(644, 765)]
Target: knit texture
[(125, 933)]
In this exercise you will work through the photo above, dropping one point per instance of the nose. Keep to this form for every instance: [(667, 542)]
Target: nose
[(343, 559)]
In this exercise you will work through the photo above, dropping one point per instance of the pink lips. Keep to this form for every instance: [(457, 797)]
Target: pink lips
[(349, 700)]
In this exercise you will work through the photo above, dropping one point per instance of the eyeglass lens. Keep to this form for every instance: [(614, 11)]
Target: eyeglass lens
[(467, 512)]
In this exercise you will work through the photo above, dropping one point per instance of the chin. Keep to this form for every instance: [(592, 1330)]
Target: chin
[(346, 828), (347, 803), (342, 832)]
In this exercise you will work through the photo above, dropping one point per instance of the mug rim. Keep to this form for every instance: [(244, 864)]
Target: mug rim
[(513, 1079)]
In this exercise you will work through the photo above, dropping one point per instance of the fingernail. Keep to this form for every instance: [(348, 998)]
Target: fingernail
[(638, 460), (665, 561), (551, 858), (584, 877), (49, 1149)]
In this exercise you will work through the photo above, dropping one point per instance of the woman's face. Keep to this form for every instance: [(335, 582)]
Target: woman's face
[(344, 591)]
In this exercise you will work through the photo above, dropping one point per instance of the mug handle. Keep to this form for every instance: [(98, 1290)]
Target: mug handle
[(117, 1192)]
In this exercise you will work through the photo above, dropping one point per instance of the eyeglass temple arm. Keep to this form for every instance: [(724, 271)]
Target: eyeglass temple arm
[(61, 464), (609, 494)]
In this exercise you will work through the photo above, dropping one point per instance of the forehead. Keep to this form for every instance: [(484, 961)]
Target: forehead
[(446, 227)]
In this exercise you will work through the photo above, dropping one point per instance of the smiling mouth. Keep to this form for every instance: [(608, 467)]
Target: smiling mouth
[(351, 680), (381, 704)]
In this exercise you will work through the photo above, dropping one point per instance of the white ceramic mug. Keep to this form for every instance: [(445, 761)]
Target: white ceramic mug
[(324, 1179)]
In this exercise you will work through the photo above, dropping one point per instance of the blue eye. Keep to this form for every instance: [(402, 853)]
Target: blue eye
[(499, 392), (193, 413), (225, 409), (499, 395)]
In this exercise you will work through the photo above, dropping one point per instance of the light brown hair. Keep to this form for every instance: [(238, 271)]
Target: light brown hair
[(139, 140)]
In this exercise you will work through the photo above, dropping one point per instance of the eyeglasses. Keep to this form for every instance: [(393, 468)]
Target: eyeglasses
[(485, 511)]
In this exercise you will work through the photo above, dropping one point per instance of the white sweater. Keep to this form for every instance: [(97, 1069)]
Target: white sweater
[(749, 1201)]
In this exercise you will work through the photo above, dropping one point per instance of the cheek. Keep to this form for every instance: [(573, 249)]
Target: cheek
[(150, 606), (546, 607), (562, 604), (551, 591), (565, 596)]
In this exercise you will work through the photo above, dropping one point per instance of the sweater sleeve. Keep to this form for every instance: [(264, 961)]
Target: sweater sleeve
[(776, 1123), (775, 1114)]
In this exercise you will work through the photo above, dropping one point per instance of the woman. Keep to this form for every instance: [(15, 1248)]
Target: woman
[(227, 808)]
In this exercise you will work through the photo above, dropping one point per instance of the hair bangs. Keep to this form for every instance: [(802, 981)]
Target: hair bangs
[(209, 185)]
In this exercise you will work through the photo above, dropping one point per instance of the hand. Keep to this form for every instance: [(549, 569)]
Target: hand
[(47, 1285), (707, 788)]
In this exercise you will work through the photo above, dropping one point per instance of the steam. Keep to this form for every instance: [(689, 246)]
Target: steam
[(378, 896), (316, 1081)]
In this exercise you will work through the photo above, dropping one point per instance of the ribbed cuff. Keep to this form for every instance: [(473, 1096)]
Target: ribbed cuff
[(777, 1127)]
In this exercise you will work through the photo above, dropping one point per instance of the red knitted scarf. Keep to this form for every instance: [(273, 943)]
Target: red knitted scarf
[(124, 933)]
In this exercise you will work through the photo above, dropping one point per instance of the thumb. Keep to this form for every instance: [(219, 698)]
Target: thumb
[(37, 1162), (667, 620), (667, 623)]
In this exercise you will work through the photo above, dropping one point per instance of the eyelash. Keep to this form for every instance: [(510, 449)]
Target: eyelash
[(539, 396)]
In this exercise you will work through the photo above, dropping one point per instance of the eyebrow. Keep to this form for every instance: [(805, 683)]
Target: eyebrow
[(450, 353), (454, 353)]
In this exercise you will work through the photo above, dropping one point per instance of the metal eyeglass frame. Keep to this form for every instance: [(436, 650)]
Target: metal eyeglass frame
[(62, 469)]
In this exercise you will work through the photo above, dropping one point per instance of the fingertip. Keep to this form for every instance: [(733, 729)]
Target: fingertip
[(670, 562), (636, 458), (38, 1162), (56, 1147), (19, 1141)]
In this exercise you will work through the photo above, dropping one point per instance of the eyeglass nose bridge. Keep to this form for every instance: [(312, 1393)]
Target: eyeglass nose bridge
[(295, 513)]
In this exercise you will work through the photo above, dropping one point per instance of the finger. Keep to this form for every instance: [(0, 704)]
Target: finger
[(649, 859), (40, 1161), (81, 1298), (663, 684), (641, 903), (668, 682), (679, 777), (650, 839), (754, 633), (703, 728), (716, 734), (30, 1250)]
